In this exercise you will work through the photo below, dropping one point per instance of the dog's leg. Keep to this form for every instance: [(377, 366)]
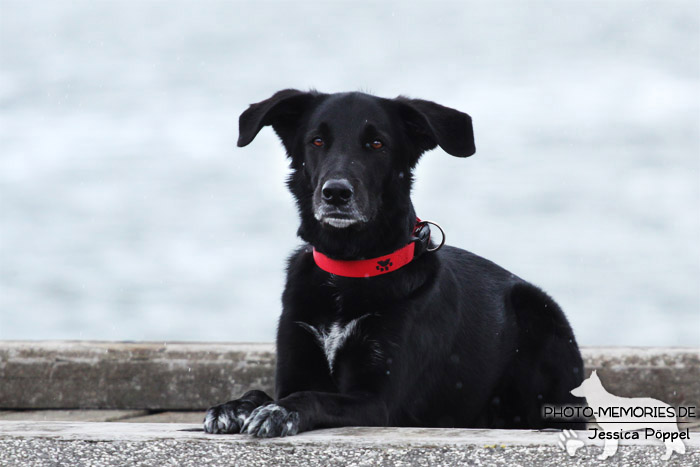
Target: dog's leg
[(310, 395), (306, 410), (669, 450), (609, 449), (230, 417), (674, 445)]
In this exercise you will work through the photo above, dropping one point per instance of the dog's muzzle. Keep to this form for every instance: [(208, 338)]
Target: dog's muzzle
[(338, 206)]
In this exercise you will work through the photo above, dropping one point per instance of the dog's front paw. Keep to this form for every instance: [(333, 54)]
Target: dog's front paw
[(272, 420), (228, 417)]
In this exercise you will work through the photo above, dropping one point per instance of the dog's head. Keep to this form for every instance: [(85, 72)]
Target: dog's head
[(589, 386), (351, 156)]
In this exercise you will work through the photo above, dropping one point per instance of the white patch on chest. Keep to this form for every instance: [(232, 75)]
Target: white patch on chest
[(331, 339)]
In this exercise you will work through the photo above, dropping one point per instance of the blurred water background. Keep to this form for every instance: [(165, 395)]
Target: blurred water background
[(126, 212)]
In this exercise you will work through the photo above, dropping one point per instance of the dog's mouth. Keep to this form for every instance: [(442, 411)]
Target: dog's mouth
[(338, 219), (339, 222)]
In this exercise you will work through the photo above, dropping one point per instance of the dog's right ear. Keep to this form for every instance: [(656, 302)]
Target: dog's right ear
[(282, 111)]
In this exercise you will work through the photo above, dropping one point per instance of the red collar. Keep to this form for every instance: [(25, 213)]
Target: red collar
[(382, 264), (366, 267)]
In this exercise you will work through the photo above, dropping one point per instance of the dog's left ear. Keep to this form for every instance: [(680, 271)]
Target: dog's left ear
[(430, 124)]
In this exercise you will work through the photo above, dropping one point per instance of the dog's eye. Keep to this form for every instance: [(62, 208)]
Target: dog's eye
[(376, 144), (318, 142)]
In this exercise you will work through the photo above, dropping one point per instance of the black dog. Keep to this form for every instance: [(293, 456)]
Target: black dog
[(378, 328)]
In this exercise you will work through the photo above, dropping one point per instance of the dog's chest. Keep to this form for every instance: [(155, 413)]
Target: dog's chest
[(332, 337)]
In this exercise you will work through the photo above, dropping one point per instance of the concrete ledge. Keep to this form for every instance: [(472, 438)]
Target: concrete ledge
[(665, 373), (193, 376), (42, 443), (126, 375)]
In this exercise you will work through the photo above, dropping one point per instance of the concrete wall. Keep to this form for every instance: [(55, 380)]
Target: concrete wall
[(182, 376)]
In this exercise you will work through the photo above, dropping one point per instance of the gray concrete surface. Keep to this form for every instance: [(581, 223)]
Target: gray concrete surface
[(189, 376), (91, 415), (196, 417), (72, 415), (97, 444)]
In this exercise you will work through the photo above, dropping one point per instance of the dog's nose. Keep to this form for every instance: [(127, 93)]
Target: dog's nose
[(337, 191)]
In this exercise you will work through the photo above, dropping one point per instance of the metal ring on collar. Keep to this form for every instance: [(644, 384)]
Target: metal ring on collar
[(442, 241)]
